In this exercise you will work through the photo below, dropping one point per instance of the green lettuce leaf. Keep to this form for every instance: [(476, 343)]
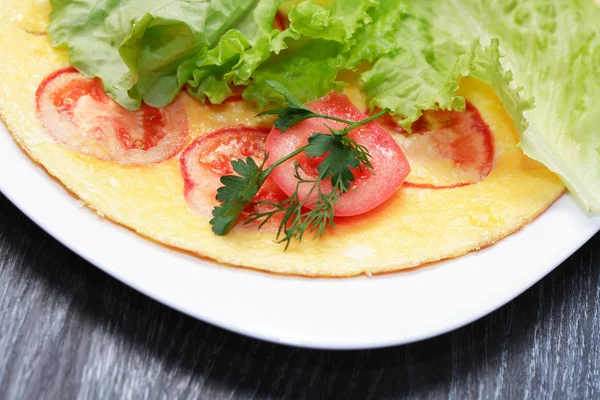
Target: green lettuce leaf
[(92, 30), (308, 72), (144, 49), (238, 53), (547, 76), (541, 56), (337, 21), (310, 67), (378, 38), (562, 70), (161, 40)]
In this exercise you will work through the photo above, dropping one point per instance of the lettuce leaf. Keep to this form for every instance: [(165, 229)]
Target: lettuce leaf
[(543, 59), (310, 67), (557, 60), (148, 50), (237, 55), (308, 72), (138, 47), (91, 30), (373, 40), (159, 42), (432, 53), (541, 56), (336, 21)]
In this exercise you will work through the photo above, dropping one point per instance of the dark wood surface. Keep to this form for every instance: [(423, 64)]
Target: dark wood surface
[(67, 331)]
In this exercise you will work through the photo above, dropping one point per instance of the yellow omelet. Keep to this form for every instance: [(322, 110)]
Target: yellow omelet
[(415, 226)]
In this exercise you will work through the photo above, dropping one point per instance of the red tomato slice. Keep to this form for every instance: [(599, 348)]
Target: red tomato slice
[(209, 157), (77, 112), (390, 166), (281, 21), (446, 148)]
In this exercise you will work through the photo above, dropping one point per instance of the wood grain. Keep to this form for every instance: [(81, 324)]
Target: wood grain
[(69, 331)]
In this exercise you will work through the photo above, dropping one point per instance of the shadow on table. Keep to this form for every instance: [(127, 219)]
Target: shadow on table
[(478, 358)]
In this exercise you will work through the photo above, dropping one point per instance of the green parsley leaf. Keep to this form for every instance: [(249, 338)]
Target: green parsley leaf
[(236, 193), (293, 114), (288, 117), (339, 160), (292, 102), (319, 144)]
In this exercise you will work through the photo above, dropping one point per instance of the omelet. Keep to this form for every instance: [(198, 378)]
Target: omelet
[(417, 225)]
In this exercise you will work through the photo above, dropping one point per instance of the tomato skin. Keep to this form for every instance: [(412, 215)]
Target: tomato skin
[(208, 145), (447, 149), (209, 157), (280, 22), (390, 166), (78, 114)]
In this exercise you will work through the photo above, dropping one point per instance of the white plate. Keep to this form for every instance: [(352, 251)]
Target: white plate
[(352, 313)]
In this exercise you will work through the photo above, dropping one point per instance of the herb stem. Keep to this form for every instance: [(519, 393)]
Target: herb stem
[(293, 154), (352, 124), (316, 185), (358, 124), (345, 121)]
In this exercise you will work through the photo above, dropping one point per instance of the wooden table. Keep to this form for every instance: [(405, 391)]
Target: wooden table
[(67, 330)]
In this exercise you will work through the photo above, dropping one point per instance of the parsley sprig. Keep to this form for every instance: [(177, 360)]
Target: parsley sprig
[(300, 214)]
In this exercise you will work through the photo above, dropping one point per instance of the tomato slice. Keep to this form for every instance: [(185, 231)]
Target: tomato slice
[(281, 21), (209, 157), (446, 149), (77, 112), (390, 166)]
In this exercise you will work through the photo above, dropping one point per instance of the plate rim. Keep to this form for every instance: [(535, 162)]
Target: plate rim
[(10, 153)]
